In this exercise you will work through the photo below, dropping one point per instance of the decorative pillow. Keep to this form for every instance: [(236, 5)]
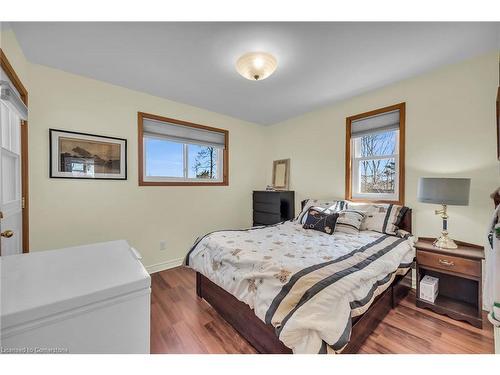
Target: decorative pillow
[(349, 221), (323, 205), (320, 221), (403, 234), (381, 217)]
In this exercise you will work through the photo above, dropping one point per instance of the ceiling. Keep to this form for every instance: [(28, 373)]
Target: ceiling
[(194, 63)]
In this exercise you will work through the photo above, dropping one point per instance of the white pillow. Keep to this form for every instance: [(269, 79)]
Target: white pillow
[(328, 206), (380, 217), (349, 221)]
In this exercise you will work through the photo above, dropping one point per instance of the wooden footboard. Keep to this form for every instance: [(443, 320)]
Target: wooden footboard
[(262, 336)]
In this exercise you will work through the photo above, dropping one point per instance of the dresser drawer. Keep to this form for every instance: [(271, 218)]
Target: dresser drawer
[(449, 263), (266, 197), (265, 218), (271, 208)]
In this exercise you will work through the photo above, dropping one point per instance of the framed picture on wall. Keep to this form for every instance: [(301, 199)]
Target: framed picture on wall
[(87, 156)]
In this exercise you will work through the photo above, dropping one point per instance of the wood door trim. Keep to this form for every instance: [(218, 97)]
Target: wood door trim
[(498, 123), (140, 140), (16, 81), (402, 141)]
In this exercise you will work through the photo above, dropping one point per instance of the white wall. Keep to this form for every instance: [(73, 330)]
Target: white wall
[(450, 132), (73, 212), (11, 48)]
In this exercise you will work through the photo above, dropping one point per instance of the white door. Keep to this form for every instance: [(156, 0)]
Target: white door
[(10, 181)]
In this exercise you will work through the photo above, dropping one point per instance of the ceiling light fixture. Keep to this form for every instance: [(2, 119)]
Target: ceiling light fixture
[(256, 66)]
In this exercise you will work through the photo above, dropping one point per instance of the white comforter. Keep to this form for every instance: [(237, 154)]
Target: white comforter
[(305, 283)]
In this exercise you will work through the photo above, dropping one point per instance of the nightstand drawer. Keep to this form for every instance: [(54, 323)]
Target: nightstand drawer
[(449, 263)]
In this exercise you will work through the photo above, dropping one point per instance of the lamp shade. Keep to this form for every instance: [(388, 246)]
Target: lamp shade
[(451, 191)]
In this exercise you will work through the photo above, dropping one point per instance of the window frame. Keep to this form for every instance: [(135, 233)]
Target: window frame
[(179, 181), (400, 160)]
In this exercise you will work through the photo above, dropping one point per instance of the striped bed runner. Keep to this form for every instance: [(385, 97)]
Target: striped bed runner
[(300, 297)]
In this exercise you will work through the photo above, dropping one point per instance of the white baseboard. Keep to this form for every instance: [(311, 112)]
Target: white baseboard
[(164, 265)]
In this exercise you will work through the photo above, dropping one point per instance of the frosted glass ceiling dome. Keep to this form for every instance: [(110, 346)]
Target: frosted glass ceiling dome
[(256, 66)]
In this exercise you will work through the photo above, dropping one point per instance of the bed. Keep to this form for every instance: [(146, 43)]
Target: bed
[(286, 289)]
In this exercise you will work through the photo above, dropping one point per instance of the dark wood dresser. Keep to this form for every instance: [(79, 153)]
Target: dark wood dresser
[(271, 207), (460, 279)]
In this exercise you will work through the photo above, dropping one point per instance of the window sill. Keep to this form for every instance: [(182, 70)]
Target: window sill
[(376, 200), (182, 183)]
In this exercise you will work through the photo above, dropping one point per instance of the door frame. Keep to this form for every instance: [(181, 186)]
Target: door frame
[(11, 74)]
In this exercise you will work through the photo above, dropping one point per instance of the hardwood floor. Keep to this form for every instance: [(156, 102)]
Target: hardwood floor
[(182, 323)]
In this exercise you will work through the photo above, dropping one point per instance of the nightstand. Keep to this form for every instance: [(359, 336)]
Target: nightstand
[(460, 279)]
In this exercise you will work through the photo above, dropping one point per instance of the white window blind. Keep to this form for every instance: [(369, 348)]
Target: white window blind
[(14, 102), (375, 124), (183, 134), (10, 96)]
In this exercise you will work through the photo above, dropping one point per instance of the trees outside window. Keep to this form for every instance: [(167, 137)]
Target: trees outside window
[(205, 163), (377, 175)]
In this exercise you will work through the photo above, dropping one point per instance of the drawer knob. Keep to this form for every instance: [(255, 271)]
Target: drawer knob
[(446, 263)]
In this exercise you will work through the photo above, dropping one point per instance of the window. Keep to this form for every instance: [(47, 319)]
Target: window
[(375, 155), (174, 152)]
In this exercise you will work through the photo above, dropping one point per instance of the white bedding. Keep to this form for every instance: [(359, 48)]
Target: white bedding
[(306, 283)]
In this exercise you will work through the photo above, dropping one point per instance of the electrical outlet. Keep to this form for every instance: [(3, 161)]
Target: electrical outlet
[(163, 245)]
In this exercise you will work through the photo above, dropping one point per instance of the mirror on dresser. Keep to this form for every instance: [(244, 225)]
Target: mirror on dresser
[(281, 174)]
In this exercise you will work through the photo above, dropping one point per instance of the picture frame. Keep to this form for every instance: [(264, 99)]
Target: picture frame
[(281, 174), (77, 155)]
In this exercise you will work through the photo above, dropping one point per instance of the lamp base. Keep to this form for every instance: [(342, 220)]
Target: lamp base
[(445, 242)]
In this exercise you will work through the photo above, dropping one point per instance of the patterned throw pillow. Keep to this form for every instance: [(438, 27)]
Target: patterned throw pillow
[(324, 205), (320, 221), (381, 217), (349, 221)]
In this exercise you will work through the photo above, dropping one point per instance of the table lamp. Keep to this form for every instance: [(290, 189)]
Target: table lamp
[(444, 191)]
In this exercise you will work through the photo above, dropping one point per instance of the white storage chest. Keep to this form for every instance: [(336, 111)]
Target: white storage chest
[(85, 299)]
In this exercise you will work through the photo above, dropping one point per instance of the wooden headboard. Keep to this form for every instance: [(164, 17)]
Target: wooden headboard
[(405, 223)]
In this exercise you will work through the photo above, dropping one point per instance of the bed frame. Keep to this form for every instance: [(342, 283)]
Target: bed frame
[(263, 337)]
